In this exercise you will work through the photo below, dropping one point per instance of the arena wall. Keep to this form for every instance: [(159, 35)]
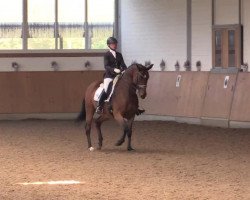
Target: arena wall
[(151, 30), (44, 92), (200, 96)]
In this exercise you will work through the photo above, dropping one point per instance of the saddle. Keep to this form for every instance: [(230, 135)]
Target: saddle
[(101, 88)]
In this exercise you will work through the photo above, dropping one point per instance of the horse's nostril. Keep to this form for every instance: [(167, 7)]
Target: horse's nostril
[(143, 96)]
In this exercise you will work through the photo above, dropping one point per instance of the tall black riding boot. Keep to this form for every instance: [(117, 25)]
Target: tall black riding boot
[(100, 103)]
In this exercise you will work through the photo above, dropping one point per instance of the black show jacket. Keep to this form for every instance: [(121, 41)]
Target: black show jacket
[(110, 63)]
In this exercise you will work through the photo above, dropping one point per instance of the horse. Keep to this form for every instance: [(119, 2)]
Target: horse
[(124, 103)]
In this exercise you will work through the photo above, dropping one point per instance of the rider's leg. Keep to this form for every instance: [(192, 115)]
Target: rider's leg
[(106, 83), (111, 89), (103, 95), (100, 103)]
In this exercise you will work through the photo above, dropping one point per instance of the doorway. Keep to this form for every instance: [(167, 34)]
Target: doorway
[(227, 46)]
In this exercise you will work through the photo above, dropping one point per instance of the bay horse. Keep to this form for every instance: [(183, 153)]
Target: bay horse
[(124, 103)]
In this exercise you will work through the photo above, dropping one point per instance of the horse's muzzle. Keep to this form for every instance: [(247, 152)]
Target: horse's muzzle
[(143, 96), (142, 93)]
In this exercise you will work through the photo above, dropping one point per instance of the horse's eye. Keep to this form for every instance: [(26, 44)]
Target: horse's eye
[(145, 76)]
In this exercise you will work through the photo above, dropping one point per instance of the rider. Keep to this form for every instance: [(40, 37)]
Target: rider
[(114, 65)]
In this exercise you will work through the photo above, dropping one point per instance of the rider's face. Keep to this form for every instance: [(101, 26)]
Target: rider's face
[(113, 46)]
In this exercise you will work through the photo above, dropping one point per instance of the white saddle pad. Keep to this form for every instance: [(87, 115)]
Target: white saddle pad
[(98, 92), (100, 89)]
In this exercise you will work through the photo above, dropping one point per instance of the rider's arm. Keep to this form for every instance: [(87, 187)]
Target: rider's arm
[(107, 66)]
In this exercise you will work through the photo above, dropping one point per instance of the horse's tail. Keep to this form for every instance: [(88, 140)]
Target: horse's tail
[(82, 115)]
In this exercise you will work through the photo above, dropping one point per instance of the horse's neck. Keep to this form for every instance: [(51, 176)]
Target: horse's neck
[(127, 81), (125, 85), (125, 94)]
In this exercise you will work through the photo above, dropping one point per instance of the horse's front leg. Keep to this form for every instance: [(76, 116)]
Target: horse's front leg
[(122, 139), (127, 130), (129, 133), (123, 123)]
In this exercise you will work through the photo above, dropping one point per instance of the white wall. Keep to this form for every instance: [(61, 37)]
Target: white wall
[(226, 12), (246, 28), (44, 63), (202, 33), (154, 30)]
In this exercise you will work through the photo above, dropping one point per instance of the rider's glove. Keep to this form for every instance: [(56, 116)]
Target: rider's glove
[(117, 71)]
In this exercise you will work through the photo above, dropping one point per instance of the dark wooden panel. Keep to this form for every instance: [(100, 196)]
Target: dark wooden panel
[(218, 100), (162, 94), (14, 89), (76, 87), (5, 93), (44, 92), (241, 104), (192, 93)]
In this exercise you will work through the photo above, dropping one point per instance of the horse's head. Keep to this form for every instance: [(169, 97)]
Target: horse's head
[(140, 79)]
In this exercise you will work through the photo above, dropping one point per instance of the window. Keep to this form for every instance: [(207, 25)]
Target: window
[(41, 24), (227, 44), (100, 21), (71, 18), (11, 24), (231, 48), (56, 24), (218, 49)]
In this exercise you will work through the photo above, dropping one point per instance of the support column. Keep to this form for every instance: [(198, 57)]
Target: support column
[(189, 30), (25, 25)]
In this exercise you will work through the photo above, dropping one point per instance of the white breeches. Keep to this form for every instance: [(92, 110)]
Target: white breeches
[(106, 83)]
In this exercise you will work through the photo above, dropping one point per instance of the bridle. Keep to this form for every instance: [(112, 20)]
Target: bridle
[(136, 85), (140, 86)]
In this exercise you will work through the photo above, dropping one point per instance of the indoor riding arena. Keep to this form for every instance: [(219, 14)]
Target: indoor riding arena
[(191, 143)]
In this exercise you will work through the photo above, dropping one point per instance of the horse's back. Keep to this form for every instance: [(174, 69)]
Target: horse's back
[(90, 91)]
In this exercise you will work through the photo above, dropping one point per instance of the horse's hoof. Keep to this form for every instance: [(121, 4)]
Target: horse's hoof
[(131, 149), (99, 148), (91, 148), (119, 143)]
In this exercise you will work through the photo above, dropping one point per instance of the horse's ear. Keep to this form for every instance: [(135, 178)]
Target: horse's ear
[(139, 67), (149, 67)]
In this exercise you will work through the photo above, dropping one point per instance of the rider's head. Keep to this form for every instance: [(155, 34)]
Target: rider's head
[(112, 43)]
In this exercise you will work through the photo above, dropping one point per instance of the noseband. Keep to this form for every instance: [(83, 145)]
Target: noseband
[(141, 86)]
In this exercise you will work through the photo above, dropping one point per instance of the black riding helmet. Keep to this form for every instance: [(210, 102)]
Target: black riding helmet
[(111, 40)]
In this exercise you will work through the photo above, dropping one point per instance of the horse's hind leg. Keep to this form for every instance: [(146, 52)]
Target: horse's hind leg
[(88, 130), (98, 124), (89, 119)]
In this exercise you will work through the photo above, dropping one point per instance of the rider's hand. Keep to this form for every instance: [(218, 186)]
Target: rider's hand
[(117, 71)]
